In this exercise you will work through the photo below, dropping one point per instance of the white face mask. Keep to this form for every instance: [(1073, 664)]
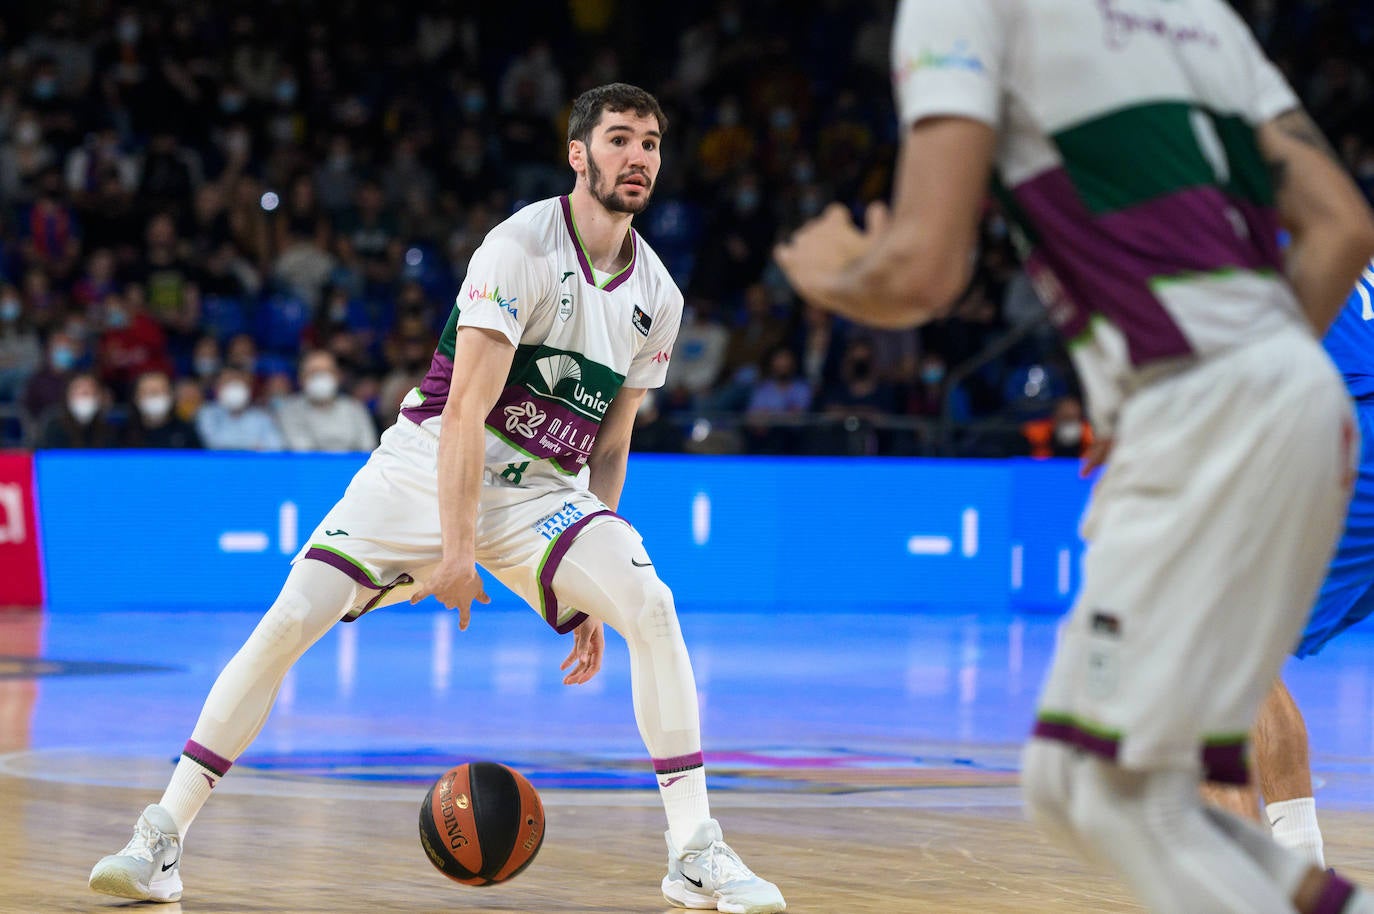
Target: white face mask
[(321, 387), (234, 396), (1068, 434), (155, 407), (83, 408)]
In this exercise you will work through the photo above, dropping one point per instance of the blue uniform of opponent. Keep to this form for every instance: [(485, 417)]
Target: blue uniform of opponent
[(1347, 595)]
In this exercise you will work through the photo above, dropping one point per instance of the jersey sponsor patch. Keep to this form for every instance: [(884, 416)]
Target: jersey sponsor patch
[(550, 525), (642, 321)]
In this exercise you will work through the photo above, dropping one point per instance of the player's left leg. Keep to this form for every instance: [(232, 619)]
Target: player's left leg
[(607, 574), (1193, 566)]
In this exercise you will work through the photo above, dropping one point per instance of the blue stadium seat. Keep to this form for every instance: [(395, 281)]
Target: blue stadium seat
[(280, 321), (223, 316)]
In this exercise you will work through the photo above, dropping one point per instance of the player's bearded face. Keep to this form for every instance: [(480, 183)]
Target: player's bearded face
[(608, 190)]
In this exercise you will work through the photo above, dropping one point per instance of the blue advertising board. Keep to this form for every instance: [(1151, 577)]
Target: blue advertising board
[(143, 529)]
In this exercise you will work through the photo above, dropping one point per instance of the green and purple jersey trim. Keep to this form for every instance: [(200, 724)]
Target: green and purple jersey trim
[(1223, 757)]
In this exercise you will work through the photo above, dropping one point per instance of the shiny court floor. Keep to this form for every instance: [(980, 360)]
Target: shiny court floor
[(807, 716)]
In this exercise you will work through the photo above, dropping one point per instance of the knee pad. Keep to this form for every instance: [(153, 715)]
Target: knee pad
[(655, 617)]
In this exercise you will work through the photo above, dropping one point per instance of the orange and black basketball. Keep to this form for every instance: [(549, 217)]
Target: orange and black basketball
[(481, 823)]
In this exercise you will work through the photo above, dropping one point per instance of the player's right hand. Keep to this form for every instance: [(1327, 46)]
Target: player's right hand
[(455, 586), (1095, 456)]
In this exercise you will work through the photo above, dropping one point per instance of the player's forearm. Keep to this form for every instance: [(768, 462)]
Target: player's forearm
[(462, 451), (1325, 213), (607, 476), (1323, 266)]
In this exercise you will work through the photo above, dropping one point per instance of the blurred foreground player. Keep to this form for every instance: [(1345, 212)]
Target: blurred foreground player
[(1143, 151), (1280, 749), (565, 318)]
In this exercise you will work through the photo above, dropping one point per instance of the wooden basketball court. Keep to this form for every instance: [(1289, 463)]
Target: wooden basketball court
[(871, 772), (270, 854)]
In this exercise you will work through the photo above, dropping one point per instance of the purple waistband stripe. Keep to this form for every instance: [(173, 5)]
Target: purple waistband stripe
[(678, 763), (1336, 894), (1065, 732), (1226, 764), (216, 763)]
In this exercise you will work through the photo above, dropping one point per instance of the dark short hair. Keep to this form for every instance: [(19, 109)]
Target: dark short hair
[(614, 97)]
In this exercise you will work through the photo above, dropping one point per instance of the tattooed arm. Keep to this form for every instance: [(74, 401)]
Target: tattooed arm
[(1331, 225)]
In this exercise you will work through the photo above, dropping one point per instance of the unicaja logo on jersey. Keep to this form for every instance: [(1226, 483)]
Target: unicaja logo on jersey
[(494, 296), (524, 418), (555, 369)]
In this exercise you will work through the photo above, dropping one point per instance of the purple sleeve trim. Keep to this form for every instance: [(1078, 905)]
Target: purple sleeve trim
[(678, 763), (560, 549), (213, 761)]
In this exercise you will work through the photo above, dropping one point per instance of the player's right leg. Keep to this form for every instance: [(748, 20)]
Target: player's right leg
[(386, 523), (314, 597), (607, 574), (1284, 772)]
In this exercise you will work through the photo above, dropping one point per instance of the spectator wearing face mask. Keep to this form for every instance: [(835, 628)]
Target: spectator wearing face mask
[(1064, 433), (131, 344), (206, 361), (152, 422), (21, 353), (321, 417), (779, 395), (232, 422), (80, 420), (859, 390), (48, 385)]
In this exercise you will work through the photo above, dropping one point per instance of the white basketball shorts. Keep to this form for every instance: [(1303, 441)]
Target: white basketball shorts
[(1208, 536), (384, 531)]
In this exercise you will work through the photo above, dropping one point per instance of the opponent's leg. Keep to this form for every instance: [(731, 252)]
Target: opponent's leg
[(607, 575), (1285, 775), (314, 597), (1151, 829)]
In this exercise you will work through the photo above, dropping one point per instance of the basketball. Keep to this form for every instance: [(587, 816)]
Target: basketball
[(481, 823)]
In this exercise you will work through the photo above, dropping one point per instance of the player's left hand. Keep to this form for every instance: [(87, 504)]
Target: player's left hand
[(822, 248), (589, 646)]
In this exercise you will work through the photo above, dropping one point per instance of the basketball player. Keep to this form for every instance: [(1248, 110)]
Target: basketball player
[(1280, 752), (514, 461), (1143, 151)]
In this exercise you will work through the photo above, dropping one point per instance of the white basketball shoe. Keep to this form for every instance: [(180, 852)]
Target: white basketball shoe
[(149, 867), (707, 875)]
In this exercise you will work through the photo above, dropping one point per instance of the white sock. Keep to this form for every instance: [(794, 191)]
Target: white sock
[(684, 799), (1293, 824), (197, 772)]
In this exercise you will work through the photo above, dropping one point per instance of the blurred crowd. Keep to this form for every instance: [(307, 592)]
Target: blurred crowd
[(242, 226)]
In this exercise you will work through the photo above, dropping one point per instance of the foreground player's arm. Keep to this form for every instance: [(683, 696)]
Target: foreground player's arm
[(611, 451), (484, 357), (1331, 225), (905, 267)]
